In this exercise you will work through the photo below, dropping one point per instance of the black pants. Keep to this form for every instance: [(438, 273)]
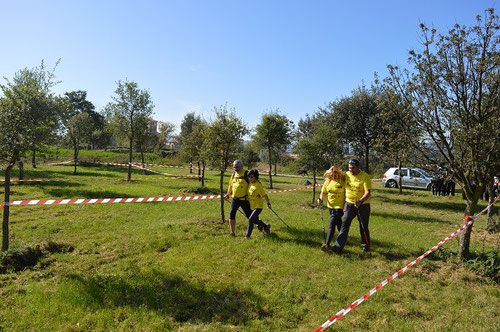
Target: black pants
[(363, 214), (254, 219), (245, 206), (335, 222)]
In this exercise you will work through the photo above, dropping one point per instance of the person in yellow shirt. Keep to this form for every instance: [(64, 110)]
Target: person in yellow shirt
[(334, 189), (237, 190), (256, 194), (358, 186)]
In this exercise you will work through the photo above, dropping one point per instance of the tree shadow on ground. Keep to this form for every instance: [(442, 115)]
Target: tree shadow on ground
[(414, 218), (435, 205), (170, 295), (51, 174), (69, 193)]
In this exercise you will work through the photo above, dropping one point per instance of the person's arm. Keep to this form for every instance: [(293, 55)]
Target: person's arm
[(367, 194), (229, 191), (268, 201)]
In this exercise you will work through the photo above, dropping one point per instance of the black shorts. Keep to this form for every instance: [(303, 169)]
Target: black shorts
[(236, 203)]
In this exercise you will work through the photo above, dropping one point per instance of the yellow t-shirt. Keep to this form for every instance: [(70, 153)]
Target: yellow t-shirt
[(256, 194), (336, 193), (240, 185), (355, 186)]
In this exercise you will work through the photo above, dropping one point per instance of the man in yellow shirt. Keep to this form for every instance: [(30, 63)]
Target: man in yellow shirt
[(358, 186), (238, 190)]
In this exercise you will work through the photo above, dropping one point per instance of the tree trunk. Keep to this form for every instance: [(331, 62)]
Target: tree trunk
[(199, 172), (190, 168), (75, 156), (33, 159), (400, 178), (471, 204), (314, 186), (203, 174), (270, 169), (367, 159), (20, 164), (222, 196), (6, 209), (142, 160), (275, 165), (129, 174), (490, 221)]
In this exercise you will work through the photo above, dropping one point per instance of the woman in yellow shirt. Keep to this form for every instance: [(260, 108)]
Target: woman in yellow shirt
[(255, 195), (334, 188)]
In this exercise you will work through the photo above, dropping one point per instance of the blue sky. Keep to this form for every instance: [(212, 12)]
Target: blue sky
[(194, 55)]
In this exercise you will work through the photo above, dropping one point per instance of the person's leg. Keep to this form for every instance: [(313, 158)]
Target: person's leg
[(338, 214), (254, 217), (349, 214), (232, 215), (364, 219), (331, 227), (245, 206)]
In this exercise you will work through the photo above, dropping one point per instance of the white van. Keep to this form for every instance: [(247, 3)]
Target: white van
[(411, 178)]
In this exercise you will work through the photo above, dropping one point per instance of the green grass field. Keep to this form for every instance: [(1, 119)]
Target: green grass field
[(173, 266)]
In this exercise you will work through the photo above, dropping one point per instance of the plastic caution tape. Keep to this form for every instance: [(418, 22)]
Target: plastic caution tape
[(468, 222)]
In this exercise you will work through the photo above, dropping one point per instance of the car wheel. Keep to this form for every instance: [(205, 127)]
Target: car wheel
[(391, 184)]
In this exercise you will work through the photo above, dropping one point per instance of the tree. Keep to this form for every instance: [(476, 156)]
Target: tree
[(397, 132), (273, 132), (166, 130), (79, 104), (191, 149), (223, 135), (250, 154), (144, 138), (129, 105), (19, 124), (188, 123), (320, 150), (45, 121), (80, 127), (453, 90), (355, 118)]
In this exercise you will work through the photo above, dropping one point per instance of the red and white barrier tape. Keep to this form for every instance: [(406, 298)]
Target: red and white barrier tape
[(166, 174), (157, 165), (61, 163), (123, 200), (469, 220)]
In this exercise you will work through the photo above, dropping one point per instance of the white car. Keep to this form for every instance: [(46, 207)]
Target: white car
[(411, 178)]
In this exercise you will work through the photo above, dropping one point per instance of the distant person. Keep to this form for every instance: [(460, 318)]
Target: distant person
[(256, 194), (334, 189), (238, 191), (358, 186)]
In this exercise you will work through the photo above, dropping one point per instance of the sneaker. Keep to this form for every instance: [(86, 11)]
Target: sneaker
[(232, 234), (326, 248), (260, 228), (247, 237), (336, 250), (365, 249), (267, 228)]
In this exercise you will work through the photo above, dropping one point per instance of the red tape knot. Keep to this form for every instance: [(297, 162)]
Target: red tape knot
[(468, 218)]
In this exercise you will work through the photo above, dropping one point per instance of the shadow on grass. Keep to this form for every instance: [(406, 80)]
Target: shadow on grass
[(434, 205), (170, 295), (414, 218), (68, 193)]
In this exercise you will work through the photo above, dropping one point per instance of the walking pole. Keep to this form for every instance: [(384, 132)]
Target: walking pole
[(363, 229), (279, 218), (322, 221)]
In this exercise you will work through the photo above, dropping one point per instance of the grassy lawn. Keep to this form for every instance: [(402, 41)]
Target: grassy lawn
[(173, 266)]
